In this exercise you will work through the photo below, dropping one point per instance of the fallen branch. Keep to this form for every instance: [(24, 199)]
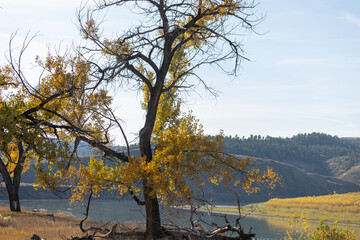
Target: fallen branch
[(107, 233)]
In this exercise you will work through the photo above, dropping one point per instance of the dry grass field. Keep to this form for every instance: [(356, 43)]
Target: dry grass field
[(21, 226)]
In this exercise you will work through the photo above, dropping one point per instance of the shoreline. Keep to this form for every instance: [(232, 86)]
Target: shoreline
[(274, 217)]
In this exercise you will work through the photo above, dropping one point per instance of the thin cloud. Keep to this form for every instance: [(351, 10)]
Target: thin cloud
[(333, 62), (351, 18), (294, 62)]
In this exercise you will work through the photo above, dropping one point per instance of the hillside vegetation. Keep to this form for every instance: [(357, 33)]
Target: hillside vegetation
[(336, 207), (315, 152), (344, 208), (302, 147)]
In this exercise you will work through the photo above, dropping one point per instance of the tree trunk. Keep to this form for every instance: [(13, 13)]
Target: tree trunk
[(14, 200), (13, 185), (153, 221)]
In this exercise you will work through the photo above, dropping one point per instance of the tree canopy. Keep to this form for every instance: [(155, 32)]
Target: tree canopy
[(21, 142)]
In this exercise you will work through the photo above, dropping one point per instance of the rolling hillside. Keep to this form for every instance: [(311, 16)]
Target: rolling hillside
[(309, 164), (297, 182), (316, 153)]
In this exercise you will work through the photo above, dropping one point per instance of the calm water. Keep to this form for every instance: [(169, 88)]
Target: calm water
[(128, 211)]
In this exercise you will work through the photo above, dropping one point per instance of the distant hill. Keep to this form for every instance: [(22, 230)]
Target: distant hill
[(317, 153), (296, 182), (313, 147), (309, 164)]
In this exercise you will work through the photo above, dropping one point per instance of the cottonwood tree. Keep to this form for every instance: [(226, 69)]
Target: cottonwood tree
[(24, 137), (159, 58), (13, 154), (161, 54), (20, 141)]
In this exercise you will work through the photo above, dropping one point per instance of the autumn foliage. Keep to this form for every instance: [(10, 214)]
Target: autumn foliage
[(300, 230)]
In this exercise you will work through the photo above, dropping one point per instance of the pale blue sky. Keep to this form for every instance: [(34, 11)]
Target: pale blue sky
[(303, 75)]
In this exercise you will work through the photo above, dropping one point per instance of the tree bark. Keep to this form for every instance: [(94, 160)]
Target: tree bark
[(153, 221), (12, 186), (14, 200)]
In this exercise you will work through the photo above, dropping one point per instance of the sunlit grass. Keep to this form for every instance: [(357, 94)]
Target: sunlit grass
[(344, 208), (20, 226), (16, 226), (349, 202)]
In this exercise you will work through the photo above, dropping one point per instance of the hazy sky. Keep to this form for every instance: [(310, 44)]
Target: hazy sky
[(304, 73)]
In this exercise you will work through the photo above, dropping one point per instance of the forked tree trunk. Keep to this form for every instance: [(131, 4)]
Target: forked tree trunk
[(13, 184), (153, 221)]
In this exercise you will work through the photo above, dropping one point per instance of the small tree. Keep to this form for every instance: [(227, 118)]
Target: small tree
[(20, 141), (24, 137), (12, 133)]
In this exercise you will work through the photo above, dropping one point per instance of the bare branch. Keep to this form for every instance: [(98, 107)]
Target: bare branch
[(107, 150)]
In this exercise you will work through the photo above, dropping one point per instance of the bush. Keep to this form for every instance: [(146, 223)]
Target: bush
[(300, 230)]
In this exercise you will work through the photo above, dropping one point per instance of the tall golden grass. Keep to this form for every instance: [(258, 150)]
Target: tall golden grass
[(344, 208), (349, 202)]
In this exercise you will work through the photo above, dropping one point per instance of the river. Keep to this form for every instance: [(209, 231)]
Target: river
[(127, 211)]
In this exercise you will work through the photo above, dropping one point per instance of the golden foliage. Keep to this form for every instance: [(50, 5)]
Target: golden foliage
[(184, 159), (90, 30), (184, 156), (6, 79), (62, 99), (16, 140), (74, 104)]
